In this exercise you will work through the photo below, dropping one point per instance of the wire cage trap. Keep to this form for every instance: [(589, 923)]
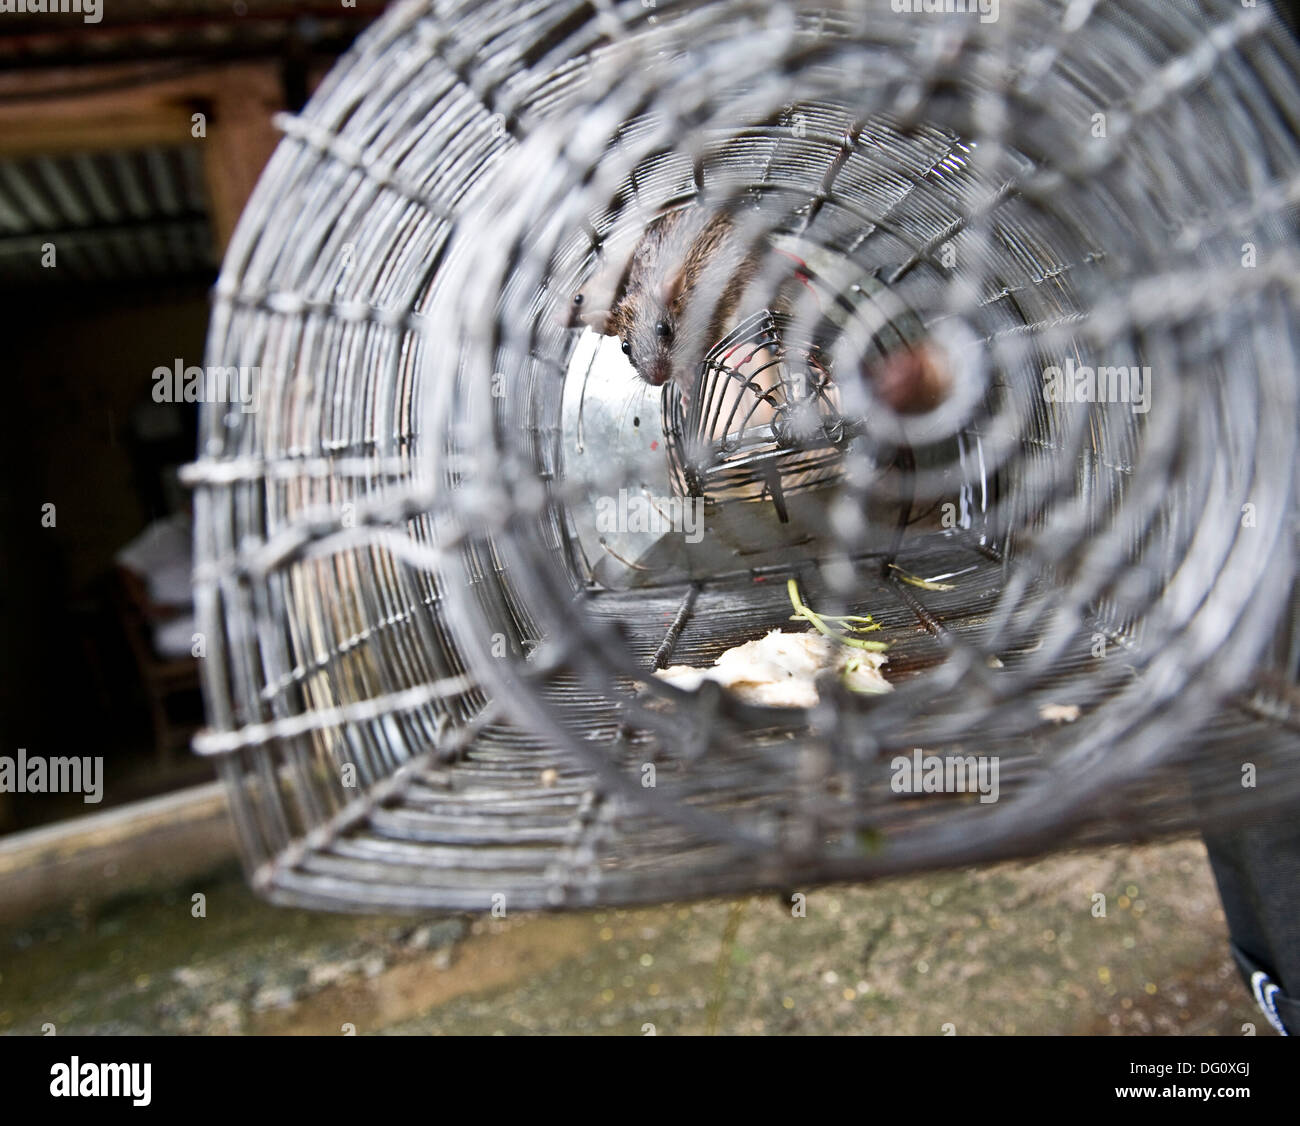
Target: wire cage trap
[(433, 614)]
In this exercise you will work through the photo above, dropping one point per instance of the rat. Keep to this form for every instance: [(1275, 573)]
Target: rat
[(644, 300)]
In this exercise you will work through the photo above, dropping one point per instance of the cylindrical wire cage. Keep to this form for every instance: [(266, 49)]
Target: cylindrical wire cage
[(430, 669)]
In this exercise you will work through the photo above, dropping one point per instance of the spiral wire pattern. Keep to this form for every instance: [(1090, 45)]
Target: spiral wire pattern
[(420, 692)]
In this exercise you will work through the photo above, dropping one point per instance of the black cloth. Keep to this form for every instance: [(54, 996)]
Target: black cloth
[(1257, 868)]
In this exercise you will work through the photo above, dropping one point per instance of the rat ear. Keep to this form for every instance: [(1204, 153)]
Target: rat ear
[(582, 309), (601, 320), (671, 289), (593, 305)]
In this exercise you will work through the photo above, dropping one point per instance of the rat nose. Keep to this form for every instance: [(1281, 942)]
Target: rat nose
[(658, 374)]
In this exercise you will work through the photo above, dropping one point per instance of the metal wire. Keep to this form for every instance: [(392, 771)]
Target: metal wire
[(429, 679)]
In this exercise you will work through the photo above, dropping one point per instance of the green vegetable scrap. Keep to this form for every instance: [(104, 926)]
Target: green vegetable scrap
[(924, 584), (848, 623)]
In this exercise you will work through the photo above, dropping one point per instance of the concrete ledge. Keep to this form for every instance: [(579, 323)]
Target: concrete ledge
[(90, 859)]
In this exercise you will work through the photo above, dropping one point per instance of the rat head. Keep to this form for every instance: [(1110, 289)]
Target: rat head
[(642, 298), (645, 319), (647, 341)]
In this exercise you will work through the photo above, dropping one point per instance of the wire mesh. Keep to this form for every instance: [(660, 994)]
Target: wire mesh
[(429, 673)]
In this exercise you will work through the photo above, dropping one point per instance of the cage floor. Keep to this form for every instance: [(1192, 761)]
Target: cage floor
[(692, 625), (518, 812)]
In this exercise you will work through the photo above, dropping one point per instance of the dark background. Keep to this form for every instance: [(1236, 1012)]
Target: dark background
[(98, 158)]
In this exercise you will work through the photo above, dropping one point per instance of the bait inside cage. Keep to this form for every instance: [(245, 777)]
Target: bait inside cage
[(441, 562)]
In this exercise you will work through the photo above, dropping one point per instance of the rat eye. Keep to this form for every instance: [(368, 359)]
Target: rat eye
[(577, 298), (663, 330), (627, 348)]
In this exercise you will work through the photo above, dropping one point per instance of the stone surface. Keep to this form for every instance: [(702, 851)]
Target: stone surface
[(1010, 948)]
